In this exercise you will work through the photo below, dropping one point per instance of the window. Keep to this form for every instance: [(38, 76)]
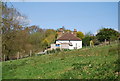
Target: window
[(57, 45)]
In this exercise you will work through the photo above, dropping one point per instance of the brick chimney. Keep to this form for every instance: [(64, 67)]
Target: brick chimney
[(61, 29), (74, 32), (60, 32)]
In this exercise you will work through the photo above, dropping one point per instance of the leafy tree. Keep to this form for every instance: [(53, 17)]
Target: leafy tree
[(18, 37), (49, 31), (87, 38), (108, 34), (86, 41), (15, 34), (50, 35), (45, 43), (80, 35)]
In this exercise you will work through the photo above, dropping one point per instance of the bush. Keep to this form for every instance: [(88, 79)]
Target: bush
[(58, 49), (48, 51), (53, 50), (66, 49)]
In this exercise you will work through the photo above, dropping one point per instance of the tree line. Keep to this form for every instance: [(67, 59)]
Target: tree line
[(20, 39), (104, 35)]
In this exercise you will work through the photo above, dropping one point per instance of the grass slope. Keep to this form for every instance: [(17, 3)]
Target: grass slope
[(87, 63)]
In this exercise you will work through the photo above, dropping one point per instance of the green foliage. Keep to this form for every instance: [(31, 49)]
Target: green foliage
[(86, 40), (50, 36), (80, 35), (66, 49), (96, 41), (90, 63), (51, 51), (18, 37), (58, 49), (108, 34), (88, 37), (45, 42), (13, 32)]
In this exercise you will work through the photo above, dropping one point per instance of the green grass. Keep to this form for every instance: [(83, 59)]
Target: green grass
[(87, 63)]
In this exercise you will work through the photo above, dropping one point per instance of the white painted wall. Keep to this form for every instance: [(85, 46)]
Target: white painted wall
[(77, 44)]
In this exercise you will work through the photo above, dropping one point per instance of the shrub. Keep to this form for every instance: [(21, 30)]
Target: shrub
[(53, 50), (58, 49)]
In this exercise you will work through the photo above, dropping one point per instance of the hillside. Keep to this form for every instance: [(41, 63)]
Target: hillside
[(86, 63)]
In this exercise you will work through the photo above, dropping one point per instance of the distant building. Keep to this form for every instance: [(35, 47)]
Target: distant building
[(67, 40)]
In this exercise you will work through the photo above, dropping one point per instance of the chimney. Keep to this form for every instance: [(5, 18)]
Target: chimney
[(74, 32), (60, 32), (61, 29)]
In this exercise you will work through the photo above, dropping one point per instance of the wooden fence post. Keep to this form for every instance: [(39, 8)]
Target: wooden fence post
[(105, 41), (30, 53), (18, 55), (21, 56), (4, 58)]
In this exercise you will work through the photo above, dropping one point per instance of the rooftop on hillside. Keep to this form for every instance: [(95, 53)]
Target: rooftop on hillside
[(68, 36)]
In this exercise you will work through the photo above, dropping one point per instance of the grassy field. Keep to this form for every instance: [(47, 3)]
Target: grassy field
[(87, 63)]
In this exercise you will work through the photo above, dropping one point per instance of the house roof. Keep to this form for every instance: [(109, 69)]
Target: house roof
[(68, 36)]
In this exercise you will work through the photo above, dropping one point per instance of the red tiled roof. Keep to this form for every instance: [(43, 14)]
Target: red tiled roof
[(68, 36)]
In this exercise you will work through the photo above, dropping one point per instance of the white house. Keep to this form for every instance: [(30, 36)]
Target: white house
[(67, 41)]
